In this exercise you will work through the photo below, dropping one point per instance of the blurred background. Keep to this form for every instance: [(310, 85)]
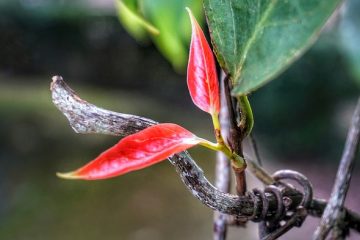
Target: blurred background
[(301, 119)]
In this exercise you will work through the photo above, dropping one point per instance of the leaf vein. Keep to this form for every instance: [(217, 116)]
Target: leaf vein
[(259, 25)]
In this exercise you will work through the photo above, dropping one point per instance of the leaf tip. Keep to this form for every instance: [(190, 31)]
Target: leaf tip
[(68, 175), (190, 13)]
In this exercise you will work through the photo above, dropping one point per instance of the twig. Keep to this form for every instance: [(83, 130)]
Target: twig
[(340, 230), (343, 176), (222, 182), (262, 228), (235, 137), (259, 172), (352, 219), (255, 149), (87, 118), (222, 170)]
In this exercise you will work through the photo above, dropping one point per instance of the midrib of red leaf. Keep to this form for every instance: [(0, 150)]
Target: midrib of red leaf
[(137, 151)]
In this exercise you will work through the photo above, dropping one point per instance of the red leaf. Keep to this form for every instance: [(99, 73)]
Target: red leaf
[(201, 73), (137, 151)]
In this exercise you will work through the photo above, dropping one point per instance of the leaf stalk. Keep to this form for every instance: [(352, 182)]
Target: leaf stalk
[(237, 161)]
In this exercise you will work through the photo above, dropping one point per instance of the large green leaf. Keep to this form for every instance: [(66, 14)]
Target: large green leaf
[(168, 22), (256, 40), (171, 18), (132, 21)]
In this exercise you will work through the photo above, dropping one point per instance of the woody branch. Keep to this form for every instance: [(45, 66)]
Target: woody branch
[(87, 118)]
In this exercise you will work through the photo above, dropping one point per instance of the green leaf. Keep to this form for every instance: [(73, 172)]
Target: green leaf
[(172, 20), (133, 22), (256, 40), (166, 20)]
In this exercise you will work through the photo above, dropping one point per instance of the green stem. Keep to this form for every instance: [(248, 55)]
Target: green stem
[(247, 118), (237, 161), (217, 128), (215, 120)]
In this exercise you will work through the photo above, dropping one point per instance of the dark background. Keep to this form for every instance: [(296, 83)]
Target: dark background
[(301, 120)]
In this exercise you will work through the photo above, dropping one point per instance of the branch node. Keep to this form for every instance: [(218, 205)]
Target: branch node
[(272, 226)]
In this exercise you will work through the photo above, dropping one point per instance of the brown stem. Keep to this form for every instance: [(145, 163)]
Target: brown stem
[(336, 203), (240, 179), (235, 137)]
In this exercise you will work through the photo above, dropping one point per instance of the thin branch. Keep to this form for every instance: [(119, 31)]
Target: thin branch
[(343, 176), (222, 182), (87, 118), (262, 228), (255, 149), (222, 169), (340, 230), (259, 172), (317, 208), (235, 137)]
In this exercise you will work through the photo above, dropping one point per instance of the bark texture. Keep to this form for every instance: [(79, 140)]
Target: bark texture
[(222, 168), (333, 214)]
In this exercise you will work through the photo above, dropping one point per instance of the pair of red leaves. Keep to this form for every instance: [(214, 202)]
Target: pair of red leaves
[(161, 141)]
